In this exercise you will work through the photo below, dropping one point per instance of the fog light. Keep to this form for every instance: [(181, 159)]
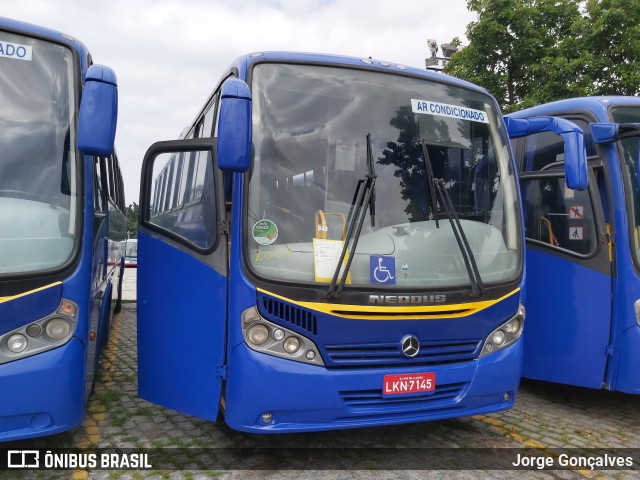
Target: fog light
[(57, 328), (34, 330), (267, 417), (291, 345), (498, 337), (506, 397), (310, 355), (278, 334), (17, 343), (258, 334)]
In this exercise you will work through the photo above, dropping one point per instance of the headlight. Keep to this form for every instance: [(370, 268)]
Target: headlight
[(505, 334), (258, 334), (291, 345), (264, 336), (57, 328), (39, 336), (17, 343)]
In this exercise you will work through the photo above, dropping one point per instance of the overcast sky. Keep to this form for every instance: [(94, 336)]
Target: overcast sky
[(168, 54)]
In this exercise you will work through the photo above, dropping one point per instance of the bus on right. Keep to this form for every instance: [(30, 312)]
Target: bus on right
[(583, 248)]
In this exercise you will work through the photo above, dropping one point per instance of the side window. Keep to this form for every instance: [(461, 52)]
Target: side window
[(194, 222), (558, 216)]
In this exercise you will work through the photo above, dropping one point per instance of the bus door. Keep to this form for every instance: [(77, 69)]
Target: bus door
[(182, 278), (569, 267)]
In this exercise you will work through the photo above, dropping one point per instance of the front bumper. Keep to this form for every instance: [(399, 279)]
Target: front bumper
[(302, 397), (42, 394)]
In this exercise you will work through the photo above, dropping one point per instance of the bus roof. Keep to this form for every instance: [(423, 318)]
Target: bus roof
[(599, 106), (244, 62), (48, 34)]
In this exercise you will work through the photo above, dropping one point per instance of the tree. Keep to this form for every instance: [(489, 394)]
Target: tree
[(612, 43), (132, 220), (527, 52)]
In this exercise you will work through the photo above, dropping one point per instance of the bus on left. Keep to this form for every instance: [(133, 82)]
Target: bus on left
[(61, 225)]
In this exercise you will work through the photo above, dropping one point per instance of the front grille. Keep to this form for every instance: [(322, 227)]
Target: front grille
[(386, 354), (364, 399)]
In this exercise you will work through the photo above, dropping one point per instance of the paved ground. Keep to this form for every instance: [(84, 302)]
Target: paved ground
[(129, 284), (546, 416)]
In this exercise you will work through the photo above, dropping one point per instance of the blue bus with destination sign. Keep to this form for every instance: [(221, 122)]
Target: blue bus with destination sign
[(61, 227), (335, 242)]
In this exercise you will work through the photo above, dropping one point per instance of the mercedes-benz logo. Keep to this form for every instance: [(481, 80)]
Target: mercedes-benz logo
[(410, 346)]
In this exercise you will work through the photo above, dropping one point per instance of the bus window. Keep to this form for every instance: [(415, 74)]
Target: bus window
[(558, 216)]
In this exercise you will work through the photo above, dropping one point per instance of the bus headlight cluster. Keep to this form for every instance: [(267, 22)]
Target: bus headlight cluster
[(42, 335), (264, 336), (505, 334)]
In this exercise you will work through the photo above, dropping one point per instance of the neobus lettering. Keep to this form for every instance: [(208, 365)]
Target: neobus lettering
[(406, 299)]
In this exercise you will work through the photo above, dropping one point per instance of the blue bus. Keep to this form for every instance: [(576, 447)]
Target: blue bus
[(583, 249), (334, 242), (131, 253), (61, 222)]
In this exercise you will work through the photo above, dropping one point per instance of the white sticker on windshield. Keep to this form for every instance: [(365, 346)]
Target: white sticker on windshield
[(15, 50), (445, 110), (345, 156)]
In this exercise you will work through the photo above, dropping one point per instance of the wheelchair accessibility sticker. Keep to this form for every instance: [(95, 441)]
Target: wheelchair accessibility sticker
[(382, 270)]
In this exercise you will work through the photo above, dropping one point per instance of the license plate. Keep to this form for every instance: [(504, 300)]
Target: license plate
[(404, 383)]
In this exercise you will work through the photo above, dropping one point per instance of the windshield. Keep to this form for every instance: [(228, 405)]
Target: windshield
[(631, 157), (310, 126), (37, 160)]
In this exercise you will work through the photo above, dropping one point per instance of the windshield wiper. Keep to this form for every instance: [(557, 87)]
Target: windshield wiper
[(438, 185), (431, 184), (363, 196)]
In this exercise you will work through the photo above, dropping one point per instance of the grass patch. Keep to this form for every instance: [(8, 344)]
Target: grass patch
[(144, 411), (108, 398)]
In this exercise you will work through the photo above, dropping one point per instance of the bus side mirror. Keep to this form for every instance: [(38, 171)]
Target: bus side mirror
[(98, 112), (234, 127), (575, 156)]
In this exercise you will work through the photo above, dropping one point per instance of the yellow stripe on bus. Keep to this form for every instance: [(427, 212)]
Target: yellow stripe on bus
[(8, 299), (371, 312)]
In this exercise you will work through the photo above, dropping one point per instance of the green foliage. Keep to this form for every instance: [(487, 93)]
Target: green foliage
[(132, 220), (527, 52)]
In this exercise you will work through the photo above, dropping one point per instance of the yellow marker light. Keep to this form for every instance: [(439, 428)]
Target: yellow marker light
[(67, 308)]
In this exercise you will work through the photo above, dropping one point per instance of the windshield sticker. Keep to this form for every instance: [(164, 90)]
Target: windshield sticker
[(326, 254), (15, 50), (382, 270), (444, 110), (346, 156), (264, 232)]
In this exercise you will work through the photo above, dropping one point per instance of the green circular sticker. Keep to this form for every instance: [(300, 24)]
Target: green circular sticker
[(265, 232)]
